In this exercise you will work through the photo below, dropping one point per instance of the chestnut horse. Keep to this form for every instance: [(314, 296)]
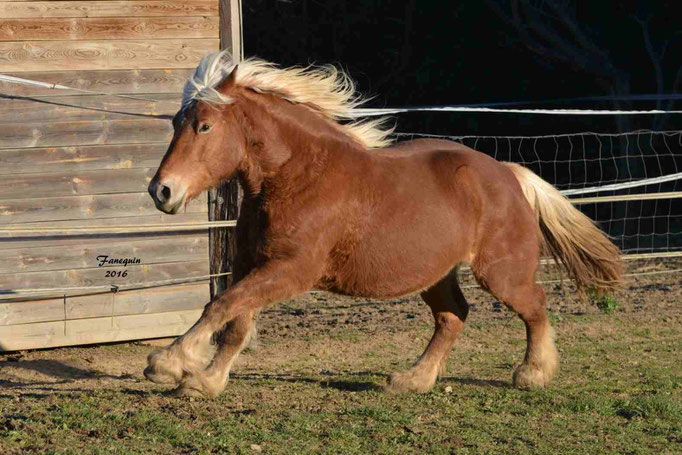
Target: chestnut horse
[(330, 204)]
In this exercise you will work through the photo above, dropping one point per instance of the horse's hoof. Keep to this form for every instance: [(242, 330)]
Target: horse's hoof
[(162, 368), (409, 381), (529, 377), (159, 378), (198, 385), (183, 391)]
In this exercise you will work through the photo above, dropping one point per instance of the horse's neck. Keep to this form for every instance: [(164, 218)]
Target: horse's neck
[(289, 146)]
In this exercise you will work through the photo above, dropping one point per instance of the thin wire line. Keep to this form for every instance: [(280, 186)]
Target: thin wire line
[(122, 228), (103, 289), (620, 186), (655, 272), (22, 81), (546, 136), (369, 112)]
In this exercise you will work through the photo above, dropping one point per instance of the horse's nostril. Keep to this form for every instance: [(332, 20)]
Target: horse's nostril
[(166, 192), (163, 193)]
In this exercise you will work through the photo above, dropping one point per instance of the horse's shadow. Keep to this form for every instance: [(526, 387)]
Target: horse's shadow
[(61, 372), (331, 383), (475, 382), (346, 385)]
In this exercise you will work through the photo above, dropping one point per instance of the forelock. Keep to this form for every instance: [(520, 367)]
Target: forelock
[(210, 72)]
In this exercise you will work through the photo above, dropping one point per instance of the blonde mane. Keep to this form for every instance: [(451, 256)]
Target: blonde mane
[(326, 89)]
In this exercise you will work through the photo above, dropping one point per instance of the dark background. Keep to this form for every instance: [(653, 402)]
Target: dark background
[(410, 53), (416, 53)]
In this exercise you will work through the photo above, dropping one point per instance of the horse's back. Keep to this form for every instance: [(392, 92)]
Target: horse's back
[(444, 158), (443, 152)]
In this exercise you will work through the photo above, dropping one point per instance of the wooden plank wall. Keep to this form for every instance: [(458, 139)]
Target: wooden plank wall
[(62, 165)]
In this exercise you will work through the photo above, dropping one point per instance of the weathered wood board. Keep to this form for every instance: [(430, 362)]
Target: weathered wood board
[(72, 159), (96, 330), (159, 250), (32, 9), (169, 298), (92, 55), (12, 285), (97, 206), (127, 81), (86, 108), (109, 28), (107, 181), (81, 158), (98, 132)]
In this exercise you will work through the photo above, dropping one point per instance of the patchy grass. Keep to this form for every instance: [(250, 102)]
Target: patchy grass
[(618, 392), (606, 303), (314, 386)]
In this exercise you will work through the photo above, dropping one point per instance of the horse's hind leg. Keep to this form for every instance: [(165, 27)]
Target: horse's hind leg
[(512, 281), (450, 309)]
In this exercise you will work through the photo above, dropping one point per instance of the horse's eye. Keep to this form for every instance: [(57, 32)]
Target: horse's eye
[(205, 128)]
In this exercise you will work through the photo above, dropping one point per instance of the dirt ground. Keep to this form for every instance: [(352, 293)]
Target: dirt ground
[(286, 326), (327, 343)]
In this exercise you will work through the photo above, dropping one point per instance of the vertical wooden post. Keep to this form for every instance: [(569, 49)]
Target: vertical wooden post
[(224, 201)]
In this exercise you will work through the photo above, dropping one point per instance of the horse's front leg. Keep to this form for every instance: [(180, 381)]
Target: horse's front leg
[(231, 341), (189, 353), (182, 361)]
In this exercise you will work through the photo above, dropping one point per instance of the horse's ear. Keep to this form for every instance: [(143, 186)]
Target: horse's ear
[(228, 82)]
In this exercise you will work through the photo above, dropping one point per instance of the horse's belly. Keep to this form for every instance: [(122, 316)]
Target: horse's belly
[(396, 263)]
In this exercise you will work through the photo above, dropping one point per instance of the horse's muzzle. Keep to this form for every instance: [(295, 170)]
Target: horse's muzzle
[(167, 197)]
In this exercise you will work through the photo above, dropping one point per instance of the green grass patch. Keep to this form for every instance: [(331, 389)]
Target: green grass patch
[(618, 391)]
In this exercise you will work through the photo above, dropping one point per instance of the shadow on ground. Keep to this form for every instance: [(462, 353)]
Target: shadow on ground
[(62, 373)]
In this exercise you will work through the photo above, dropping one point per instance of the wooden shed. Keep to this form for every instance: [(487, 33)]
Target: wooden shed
[(71, 159)]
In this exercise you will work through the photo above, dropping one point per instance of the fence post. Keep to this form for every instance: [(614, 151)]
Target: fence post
[(224, 201)]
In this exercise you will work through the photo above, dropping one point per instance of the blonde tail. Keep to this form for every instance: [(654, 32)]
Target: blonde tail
[(590, 258)]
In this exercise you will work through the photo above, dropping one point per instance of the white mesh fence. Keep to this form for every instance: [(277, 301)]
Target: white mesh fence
[(644, 165)]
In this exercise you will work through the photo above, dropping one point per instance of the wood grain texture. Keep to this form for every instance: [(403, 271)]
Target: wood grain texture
[(89, 167), (96, 330), (85, 107), (93, 55), (26, 186), (38, 29), (75, 133), (148, 81), (159, 218), (76, 159), (31, 312), (143, 301), (112, 8), (102, 207), (25, 240), (95, 276), (70, 257)]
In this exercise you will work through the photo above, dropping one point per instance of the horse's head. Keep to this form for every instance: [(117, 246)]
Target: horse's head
[(207, 147), (279, 109)]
